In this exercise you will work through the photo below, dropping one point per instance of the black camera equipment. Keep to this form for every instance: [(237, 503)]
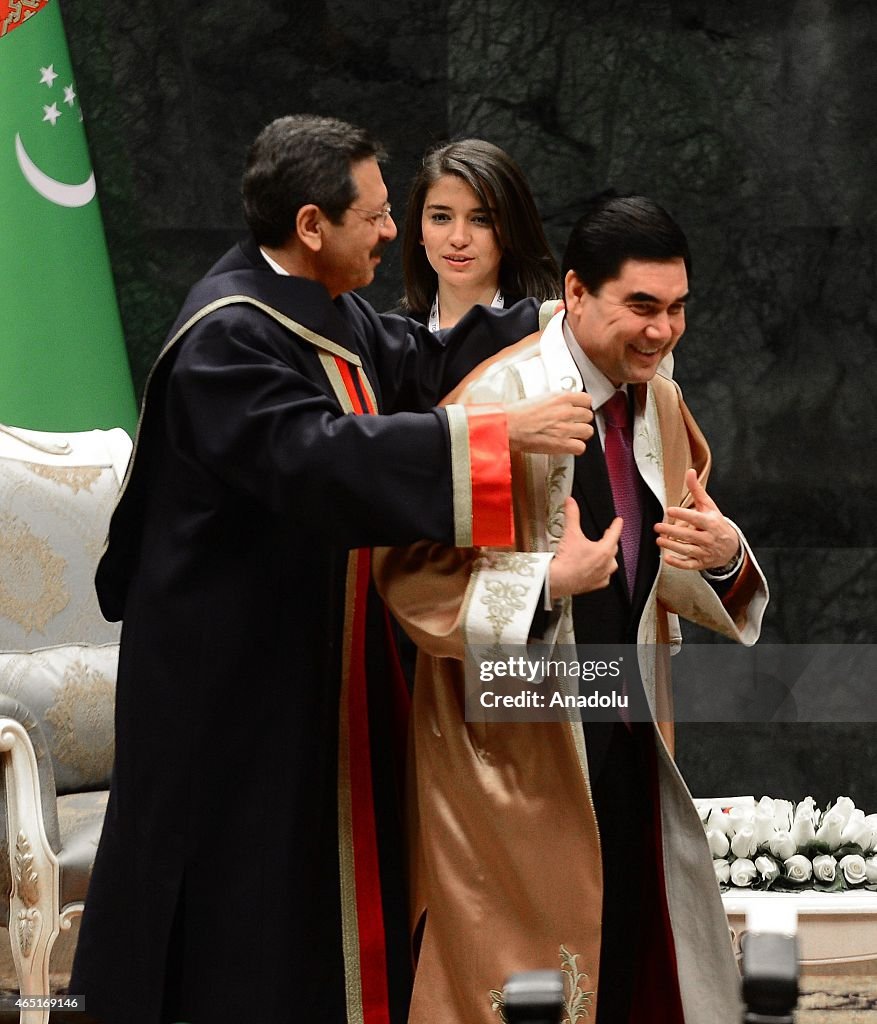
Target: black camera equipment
[(534, 997), (770, 977)]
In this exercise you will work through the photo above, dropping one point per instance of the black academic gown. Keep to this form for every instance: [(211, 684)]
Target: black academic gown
[(216, 895)]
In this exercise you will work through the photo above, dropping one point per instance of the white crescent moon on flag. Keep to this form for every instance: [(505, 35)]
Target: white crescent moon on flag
[(55, 191)]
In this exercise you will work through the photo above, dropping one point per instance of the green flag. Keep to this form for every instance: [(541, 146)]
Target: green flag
[(63, 364)]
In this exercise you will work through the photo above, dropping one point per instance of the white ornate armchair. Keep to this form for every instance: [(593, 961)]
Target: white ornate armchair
[(58, 659)]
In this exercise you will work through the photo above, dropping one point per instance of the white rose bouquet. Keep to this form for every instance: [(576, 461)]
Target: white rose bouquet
[(787, 847)]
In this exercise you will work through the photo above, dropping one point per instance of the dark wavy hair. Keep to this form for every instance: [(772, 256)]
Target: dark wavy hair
[(297, 160), (615, 228), (527, 267)]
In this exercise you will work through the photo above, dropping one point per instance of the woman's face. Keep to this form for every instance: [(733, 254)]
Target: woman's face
[(458, 236)]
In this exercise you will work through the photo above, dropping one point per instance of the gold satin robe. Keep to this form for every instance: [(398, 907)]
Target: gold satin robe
[(505, 869)]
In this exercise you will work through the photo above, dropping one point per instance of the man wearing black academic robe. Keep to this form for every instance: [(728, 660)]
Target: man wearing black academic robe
[(252, 828)]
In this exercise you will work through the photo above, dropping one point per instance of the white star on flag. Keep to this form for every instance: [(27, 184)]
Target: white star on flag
[(48, 75), (69, 95), (51, 113)]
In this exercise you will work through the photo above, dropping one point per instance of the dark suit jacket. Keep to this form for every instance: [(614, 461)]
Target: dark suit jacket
[(612, 615)]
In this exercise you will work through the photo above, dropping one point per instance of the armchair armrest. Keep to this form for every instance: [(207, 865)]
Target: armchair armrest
[(32, 839), (34, 781)]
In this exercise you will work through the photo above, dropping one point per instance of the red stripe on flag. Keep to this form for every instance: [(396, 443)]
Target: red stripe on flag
[(14, 14)]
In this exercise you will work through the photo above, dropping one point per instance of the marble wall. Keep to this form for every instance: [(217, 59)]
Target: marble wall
[(750, 121)]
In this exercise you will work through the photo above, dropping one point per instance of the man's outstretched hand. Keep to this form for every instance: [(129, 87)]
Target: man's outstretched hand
[(557, 424)]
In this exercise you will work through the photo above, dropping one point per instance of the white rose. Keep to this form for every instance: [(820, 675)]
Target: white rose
[(824, 867), (740, 817), (844, 807), (765, 804), (798, 868), (860, 833), (719, 821), (830, 829), (806, 806), (867, 834), (767, 867), (743, 844), (782, 845), (703, 811), (871, 869), (763, 826), (783, 814), (853, 867), (723, 871), (853, 827), (803, 831), (743, 872), (718, 842)]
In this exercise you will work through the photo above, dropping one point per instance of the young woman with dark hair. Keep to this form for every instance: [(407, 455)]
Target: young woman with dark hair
[(472, 235)]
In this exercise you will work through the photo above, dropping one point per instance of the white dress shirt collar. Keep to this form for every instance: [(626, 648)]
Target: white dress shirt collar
[(273, 264)]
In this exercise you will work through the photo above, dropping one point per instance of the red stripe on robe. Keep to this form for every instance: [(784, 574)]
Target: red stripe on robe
[(366, 863), (493, 522)]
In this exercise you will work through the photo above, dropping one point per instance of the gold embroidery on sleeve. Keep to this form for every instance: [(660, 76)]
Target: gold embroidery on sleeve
[(504, 598)]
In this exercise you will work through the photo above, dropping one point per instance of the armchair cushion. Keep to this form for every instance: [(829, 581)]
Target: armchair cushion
[(70, 691), (81, 817), (56, 498)]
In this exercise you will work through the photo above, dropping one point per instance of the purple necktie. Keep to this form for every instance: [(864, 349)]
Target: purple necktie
[(624, 479)]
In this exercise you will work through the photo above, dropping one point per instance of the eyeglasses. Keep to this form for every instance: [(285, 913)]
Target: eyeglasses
[(377, 218)]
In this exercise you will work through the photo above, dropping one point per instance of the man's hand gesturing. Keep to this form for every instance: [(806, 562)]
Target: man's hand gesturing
[(699, 537), (579, 564)]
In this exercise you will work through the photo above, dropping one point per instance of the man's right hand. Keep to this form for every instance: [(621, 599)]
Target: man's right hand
[(579, 564), (557, 424)]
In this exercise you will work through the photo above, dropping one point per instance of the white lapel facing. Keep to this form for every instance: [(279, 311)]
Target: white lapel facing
[(648, 450), (561, 372), (550, 477)]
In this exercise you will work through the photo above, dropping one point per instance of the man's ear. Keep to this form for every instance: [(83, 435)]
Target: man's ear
[(573, 291), (309, 226)]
